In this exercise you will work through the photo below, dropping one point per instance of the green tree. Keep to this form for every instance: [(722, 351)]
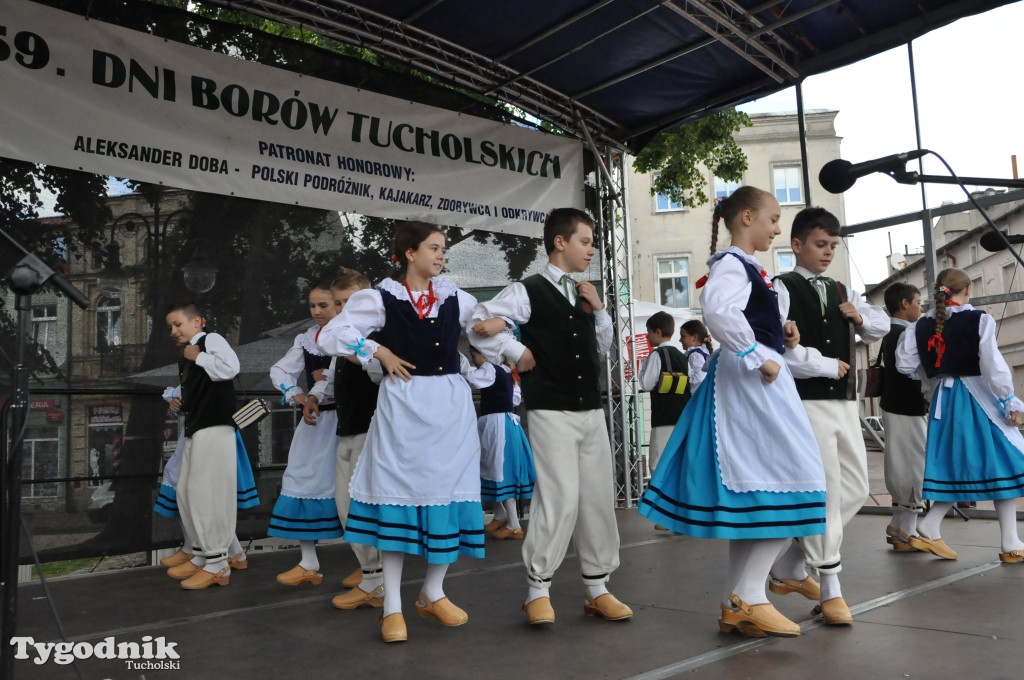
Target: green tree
[(679, 156)]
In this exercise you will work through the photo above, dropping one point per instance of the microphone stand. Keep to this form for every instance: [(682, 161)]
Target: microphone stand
[(904, 176), (25, 278)]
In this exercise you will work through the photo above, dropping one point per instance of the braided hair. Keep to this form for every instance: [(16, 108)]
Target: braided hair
[(697, 327), (729, 208), (948, 283)]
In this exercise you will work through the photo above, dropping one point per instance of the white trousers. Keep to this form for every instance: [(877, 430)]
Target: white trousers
[(573, 498), (656, 446), (349, 448), (905, 440), (836, 426), (207, 490)]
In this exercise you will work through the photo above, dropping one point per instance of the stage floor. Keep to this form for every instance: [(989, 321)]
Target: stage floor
[(916, 616)]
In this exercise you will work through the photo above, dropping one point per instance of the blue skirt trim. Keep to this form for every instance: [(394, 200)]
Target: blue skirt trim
[(247, 497), (440, 533), (968, 457), (304, 519), (686, 493), (167, 502), (518, 472)]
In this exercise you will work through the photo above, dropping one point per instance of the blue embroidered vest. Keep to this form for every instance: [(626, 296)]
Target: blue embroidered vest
[(762, 310)]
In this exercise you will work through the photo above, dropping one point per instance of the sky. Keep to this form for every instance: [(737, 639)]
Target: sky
[(971, 111)]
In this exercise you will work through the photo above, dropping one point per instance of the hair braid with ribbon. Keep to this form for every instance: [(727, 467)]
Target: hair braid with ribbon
[(948, 283)]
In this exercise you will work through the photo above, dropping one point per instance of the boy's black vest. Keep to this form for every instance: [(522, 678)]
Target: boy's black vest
[(497, 397), (205, 402), (762, 310), (829, 333), (431, 345), (900, 395), (665, 408), (563, 341), (355, 398), (962, 356)]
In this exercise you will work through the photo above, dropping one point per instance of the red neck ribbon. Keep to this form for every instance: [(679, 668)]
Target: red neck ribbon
[(425, 302)]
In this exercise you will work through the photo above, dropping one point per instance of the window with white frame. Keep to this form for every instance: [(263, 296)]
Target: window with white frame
[(973, 253), (662, 203), (787, 181), (44, 327), (785, 260), (40, 448), (724, 188), (108, 322), (673, 281)]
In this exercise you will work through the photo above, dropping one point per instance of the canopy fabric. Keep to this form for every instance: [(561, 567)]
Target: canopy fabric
[(626, 68)]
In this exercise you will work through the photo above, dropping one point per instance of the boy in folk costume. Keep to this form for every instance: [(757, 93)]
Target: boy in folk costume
[(565, 331), (905, 418), (206, 487), (665, 408), (828, 315)]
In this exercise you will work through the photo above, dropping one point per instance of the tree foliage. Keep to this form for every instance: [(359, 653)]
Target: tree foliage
[(680, 156)]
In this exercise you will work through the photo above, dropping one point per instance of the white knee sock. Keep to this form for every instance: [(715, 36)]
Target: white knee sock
[(1006, 511), (739, 553), (792, 563), (309, 560), (198, 560), (929, 525), (905, 519), (830, 588), (391, 563), (371, 582), (512, 513), (236, 549), (594, 592), (753, 572), (499, 511), (187, 542), (433, 582), (216, 566)]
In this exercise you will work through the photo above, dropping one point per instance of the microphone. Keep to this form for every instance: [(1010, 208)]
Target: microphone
[(839, 175), (991, 242)]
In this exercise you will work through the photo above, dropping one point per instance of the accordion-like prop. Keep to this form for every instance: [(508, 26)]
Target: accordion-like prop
[(252, 413)]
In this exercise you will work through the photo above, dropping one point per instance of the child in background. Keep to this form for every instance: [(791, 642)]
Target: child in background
[(697, 342), (305, 510), (166, 503), (355, 394), (665, 407), (742, 463), (975, 450), (905, 419), (207, 480), (506, 461), (416, 487)]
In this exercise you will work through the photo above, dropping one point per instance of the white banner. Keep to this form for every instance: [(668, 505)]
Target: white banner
[(109, 100)]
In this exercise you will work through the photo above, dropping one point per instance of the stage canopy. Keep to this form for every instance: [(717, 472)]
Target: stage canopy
[(629, 68)]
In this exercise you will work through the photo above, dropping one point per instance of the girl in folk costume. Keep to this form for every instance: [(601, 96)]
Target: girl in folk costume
[(742, 463), (506, 461), (975, 451), (305, 510), (696, 341), (416, 486)]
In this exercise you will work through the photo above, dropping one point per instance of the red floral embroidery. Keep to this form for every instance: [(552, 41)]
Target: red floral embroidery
[(767, 279)]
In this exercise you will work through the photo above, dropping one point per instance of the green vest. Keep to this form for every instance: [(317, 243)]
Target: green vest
[(205, 403), (563, 341), (665, 408), (828, 333)]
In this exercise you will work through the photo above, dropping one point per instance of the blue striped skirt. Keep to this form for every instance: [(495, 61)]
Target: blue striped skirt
[(440, 533), (518, 473), (968, 457), (304, 519), (247, 496), (686, 493)]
